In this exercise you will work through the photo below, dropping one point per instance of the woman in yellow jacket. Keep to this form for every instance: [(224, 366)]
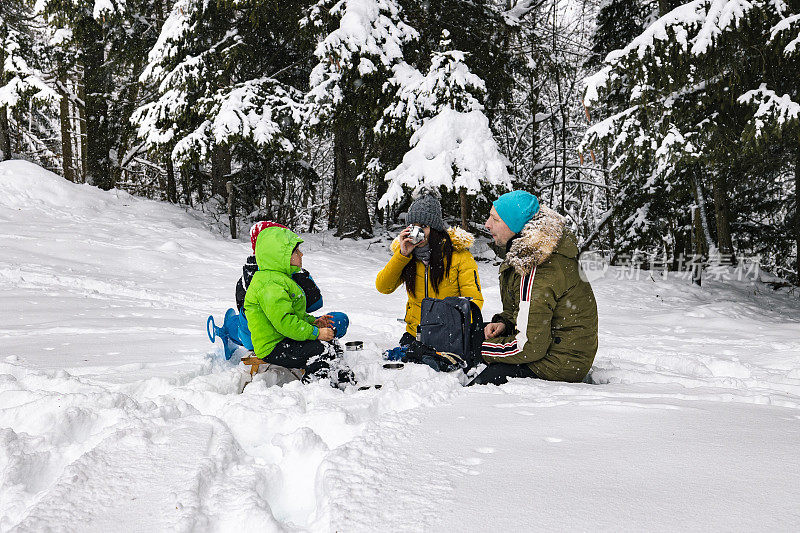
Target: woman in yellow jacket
[(439, 266)]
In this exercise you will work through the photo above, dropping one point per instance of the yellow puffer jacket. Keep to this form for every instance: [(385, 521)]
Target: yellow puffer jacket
[(461, 280)]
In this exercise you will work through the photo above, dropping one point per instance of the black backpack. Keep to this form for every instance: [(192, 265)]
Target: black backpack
[(453, 325)]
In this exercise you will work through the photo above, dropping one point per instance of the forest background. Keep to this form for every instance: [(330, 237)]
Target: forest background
[(666, 132)]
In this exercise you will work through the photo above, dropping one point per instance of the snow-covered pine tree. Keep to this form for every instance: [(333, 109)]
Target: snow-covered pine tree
[(686, 75), (227, 80), (480, 29), (96, 54), (775, 121), (360, 41), (618, 22), (23, 85), (63, 57), (91, 23), (452, 147)]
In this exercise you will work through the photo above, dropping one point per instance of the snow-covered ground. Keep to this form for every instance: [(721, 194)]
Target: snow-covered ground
[(117, 414)]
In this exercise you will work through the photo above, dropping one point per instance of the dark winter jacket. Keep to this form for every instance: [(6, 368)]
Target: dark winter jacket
[(250, 267), (302, 278), (548, 308)]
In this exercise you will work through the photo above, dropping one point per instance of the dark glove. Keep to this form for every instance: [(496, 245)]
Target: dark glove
[(396, 354)]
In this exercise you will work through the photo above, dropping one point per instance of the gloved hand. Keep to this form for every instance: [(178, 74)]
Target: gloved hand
[(395, 354)]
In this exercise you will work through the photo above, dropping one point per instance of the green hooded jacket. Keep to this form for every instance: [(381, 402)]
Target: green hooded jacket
[(275, 306), (549, 309)]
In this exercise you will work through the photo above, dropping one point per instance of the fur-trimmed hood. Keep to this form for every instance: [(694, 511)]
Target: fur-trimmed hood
[(545, 234), (462, 240)]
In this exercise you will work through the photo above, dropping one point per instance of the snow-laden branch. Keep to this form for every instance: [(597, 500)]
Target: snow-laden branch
[(781, 109), (448, 83), (370, 30), (107, 7), (176, 27), (258, 110), (22, 79), (100, 8), (453, 150), (521, 10), (605, 128), (692, 28), (784, 26)]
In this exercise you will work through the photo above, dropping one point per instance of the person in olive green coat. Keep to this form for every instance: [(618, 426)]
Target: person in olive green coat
[(548, 326)]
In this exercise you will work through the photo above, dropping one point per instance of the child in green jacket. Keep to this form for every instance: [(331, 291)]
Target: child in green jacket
[(283, 333)]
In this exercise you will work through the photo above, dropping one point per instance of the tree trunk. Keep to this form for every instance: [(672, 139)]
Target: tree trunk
[(82, 127), (333, 205), (696, 266), (186, 178), (313, 220), (220, 169), (353, 215), (5, 134), (231, 208), (66, 130), (126, 132), (309, 203), (282, 203), (198, 180), (465, 208), (722, 214), (270, 183), (96, 78), (172, 190), (380, 188), (711, 247), (797, 212), (612, 236)]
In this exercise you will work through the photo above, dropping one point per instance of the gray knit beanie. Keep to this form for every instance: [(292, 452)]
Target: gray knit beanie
[(426, 210)]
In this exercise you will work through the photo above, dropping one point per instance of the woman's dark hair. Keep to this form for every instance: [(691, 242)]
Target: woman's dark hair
[(441, 259)]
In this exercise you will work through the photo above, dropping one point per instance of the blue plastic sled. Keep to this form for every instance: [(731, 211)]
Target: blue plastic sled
[(234, 332)]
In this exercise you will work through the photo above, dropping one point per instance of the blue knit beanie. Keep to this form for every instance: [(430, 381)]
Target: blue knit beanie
[(516, 208), (340, 323)]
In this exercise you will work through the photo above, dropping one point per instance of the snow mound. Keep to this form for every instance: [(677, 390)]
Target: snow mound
[(24, 185)]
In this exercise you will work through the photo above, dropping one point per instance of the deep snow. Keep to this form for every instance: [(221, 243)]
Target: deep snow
[(116, 413)]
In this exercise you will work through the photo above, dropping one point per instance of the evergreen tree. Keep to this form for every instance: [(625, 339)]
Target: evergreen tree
[(228, 81), (689, 78), (88, 23), (453, 147), (478, 28), (360, 41), (108, 40), (22, 83)]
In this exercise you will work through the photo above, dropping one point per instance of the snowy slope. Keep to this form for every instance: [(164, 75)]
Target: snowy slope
[(116, 413)]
